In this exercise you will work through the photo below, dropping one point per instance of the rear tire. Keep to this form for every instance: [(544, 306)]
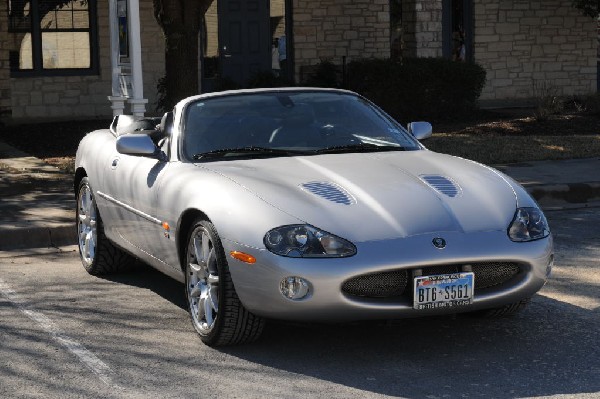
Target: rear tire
[(98, 255), (215, 310)]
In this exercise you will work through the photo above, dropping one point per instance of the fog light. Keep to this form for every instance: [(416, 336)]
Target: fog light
[(294, 287)]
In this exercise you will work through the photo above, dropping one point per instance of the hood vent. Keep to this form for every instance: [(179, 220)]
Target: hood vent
[(330, 191), (442, 184)]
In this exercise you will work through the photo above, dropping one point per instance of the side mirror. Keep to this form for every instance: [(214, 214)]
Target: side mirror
[(421, 130), (137, 144)]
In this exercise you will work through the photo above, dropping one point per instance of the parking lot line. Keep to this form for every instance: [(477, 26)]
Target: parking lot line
[(97, 366)]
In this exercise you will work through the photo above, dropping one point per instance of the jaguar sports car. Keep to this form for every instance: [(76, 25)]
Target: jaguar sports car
[(308, 205)]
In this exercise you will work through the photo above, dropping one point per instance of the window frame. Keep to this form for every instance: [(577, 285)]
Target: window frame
[(36, 32)]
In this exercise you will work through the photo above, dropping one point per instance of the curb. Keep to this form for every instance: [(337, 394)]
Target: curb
[(38, 237), (553, 196)]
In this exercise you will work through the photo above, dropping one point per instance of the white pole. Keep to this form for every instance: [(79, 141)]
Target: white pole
[(138, 102), (117, 100)]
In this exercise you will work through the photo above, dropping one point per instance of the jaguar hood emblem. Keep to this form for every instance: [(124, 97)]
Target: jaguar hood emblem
[(439, 243)]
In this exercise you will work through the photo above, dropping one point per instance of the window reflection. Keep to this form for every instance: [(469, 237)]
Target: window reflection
[(47, 36)]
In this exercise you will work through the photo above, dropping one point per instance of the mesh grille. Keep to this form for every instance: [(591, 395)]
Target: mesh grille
[(377, 285), (394, 283), (493, 273)]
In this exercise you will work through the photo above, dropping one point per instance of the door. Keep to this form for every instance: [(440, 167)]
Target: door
[(132, 186), (244, 38)]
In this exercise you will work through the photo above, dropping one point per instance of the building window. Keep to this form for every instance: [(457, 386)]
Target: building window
[(52, 37)]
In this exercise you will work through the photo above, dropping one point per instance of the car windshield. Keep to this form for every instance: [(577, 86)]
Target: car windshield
[(288, 123)]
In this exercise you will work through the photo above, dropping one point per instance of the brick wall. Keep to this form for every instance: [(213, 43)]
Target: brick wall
[(5, 101), (422, 23), (526, 46), (332, 29), (86, 96)]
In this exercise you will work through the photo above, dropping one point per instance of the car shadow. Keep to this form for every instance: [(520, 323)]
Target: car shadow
[(548, 349), (143, 276)]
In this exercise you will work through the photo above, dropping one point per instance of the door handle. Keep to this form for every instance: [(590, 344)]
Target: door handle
[(114, 164)]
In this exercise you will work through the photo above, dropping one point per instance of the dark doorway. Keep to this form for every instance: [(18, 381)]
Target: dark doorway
[(457, 26), (244, 38), (241, 38)]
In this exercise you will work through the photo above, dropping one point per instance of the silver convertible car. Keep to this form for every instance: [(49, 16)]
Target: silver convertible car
[(304, 204)]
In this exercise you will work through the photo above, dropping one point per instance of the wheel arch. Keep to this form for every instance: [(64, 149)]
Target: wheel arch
[(80, 173), (184, 225)]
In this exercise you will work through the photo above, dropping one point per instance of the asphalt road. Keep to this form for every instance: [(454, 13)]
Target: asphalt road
[(66, 334)]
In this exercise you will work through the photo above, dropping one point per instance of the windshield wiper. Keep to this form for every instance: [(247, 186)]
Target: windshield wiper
[(362, 147), (250, 150)]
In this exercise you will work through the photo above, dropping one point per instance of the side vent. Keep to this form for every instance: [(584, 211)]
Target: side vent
[(442, 184), (329, 191)]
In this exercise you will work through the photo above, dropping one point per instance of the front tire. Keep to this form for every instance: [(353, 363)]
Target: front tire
[(98, 255), (216, 312)]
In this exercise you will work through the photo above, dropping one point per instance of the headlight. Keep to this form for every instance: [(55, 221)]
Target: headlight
[(528, 224), (300, 241)]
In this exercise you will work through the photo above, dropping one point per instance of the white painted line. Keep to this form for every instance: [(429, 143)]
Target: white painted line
[(86, 357)]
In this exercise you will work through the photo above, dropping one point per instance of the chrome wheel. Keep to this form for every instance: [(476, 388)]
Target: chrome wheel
[(202, 280), (87, 224)]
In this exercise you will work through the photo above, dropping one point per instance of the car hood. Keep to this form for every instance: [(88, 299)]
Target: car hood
[(376, 196)]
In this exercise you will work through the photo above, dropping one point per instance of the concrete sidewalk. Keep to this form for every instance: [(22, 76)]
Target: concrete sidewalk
[(37, 202)]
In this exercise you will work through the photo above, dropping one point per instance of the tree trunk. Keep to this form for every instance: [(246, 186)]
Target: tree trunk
[(180, 21), (181, 66)]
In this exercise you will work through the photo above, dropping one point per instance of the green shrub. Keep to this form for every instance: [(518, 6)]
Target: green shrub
[(419, 88), (324, 74)]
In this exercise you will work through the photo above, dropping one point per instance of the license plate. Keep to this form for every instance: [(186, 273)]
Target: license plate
[(443, 291)]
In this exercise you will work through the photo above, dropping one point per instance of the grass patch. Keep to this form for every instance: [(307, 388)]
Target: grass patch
[(496, 149)]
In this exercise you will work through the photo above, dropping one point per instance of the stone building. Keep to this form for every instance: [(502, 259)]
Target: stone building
[(525, 46)]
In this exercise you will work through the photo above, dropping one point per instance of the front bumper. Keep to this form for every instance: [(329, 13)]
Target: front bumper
[(257, 285)]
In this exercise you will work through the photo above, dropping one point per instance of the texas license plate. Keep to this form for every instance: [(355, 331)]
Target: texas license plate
[(443, 291)]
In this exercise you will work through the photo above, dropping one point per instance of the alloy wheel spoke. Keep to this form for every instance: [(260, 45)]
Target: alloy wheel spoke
[(214, 298), (83, 219), (196, 291), (208, 310), (205, 248), (212, 279), (195, 268)]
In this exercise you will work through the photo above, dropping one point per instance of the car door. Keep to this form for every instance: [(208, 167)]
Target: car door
[(134, 185)]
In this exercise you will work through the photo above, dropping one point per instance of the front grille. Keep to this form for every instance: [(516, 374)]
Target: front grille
[(493, 273), (395, 283), (377, 285)]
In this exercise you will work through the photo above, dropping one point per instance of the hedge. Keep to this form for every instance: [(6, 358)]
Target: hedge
[(419, 88)]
